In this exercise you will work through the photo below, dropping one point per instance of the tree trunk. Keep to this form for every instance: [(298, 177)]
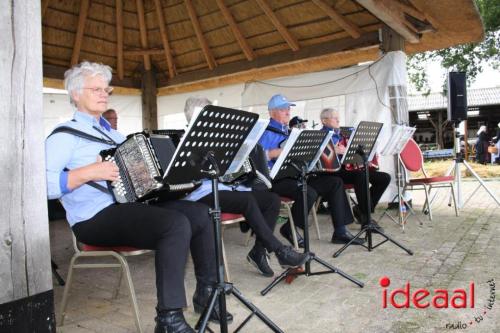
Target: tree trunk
[(26, 297)]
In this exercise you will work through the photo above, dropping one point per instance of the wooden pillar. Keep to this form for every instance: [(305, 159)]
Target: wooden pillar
[(149, 105), (26, 295)]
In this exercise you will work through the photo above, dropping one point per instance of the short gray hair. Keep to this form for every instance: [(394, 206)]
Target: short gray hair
[(192, 103), (75, 76), (328, 113)]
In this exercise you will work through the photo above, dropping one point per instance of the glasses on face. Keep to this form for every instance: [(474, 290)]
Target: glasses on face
[(100, 91)]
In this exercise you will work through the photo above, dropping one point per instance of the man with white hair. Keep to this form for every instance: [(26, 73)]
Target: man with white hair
[(329, 187), (379, 180)]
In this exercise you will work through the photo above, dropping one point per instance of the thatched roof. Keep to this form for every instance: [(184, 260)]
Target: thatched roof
[(195, 44)]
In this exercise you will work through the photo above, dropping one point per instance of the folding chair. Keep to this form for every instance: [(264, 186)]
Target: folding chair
[(412, 159), (119, 253)]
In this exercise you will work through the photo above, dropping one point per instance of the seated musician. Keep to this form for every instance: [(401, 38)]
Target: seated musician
[(329, 187), (379, 180), (260, 209), (74, 170)]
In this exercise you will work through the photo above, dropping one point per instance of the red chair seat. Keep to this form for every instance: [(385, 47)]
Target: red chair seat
[(286, 200), (431, 180), (86, 247), (230, 216)]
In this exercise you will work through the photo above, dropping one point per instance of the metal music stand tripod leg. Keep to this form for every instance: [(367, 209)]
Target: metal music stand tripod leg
[(221, 287), (369, 228), (312, 257)]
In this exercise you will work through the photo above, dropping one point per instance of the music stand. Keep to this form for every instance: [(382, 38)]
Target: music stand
[(399, 138), (212, 139), (360, 150), (300, 153)]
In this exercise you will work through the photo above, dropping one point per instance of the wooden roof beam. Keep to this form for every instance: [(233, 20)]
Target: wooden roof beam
[(199, 34), (164, 39), (119, 38), (345, 24), (45, 5), (390, 13), (410, 10), (430, 18), (236, 31), (340, 3), (84, 8), (292, 42), (143, 32)]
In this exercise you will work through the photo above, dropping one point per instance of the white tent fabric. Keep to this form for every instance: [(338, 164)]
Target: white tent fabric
[(374, 92)]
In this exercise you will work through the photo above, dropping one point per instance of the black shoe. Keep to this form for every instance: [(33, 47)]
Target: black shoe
[(172, 322), (346, 238), (200, 300), (288, 257), (260, 259), (286, 231), (377, 226)]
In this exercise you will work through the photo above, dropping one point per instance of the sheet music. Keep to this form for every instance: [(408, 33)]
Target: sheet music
[(250, 142), (286, 149), (365, 132), (313, 163), (399, 137)]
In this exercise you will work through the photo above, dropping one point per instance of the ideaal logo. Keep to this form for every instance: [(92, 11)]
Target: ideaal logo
[(422, 298)]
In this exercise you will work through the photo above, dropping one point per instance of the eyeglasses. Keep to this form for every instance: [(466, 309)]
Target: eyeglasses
[(101, 91)]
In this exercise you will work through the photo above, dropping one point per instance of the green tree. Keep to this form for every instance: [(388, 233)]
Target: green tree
[(470, 58)]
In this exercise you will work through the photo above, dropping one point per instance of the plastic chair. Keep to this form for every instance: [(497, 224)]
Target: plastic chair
[(119, 253), (228, 219), (412, 159)]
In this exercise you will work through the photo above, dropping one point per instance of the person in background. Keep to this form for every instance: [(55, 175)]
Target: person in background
[(329, 187), (112, 117), (482, 144), (297, 122), (74, 172), (495, 158), (260, 209), (379, 180)]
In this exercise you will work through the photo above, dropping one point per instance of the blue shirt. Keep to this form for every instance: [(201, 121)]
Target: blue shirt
[(271, 140), (336, 137), (65, 150)]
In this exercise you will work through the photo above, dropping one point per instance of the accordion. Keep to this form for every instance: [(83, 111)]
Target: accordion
[(142, 160)]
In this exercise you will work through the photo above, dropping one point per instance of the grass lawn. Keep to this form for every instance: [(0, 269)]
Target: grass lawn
[(439, 168)]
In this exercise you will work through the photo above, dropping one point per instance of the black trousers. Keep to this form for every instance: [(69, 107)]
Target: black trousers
[(329, 187), (379, 181), (171, 229), (260, 209)]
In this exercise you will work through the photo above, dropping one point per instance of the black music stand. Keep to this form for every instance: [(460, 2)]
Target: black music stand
[(298, 157), (360, 150), (212, 139)]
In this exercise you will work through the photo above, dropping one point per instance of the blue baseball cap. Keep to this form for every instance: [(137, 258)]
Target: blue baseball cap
[(278, 102)]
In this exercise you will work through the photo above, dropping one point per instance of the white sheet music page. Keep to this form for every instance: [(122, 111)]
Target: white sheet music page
[(286, 149), (250, 142)]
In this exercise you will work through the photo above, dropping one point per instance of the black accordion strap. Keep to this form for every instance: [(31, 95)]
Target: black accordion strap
[(71, 130)]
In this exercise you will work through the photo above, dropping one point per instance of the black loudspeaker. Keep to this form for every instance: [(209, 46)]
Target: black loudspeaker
[(457, 96)]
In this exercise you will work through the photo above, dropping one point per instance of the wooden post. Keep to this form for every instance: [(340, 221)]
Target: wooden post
[(149, 105), (26, 295)]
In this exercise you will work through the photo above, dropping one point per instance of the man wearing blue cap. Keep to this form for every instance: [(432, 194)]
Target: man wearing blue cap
[(329, 187)]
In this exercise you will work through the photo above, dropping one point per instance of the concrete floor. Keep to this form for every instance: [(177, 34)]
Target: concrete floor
[(449, 253)]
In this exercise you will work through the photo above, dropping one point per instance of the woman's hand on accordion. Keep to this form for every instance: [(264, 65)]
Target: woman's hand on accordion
[(93, 172)]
